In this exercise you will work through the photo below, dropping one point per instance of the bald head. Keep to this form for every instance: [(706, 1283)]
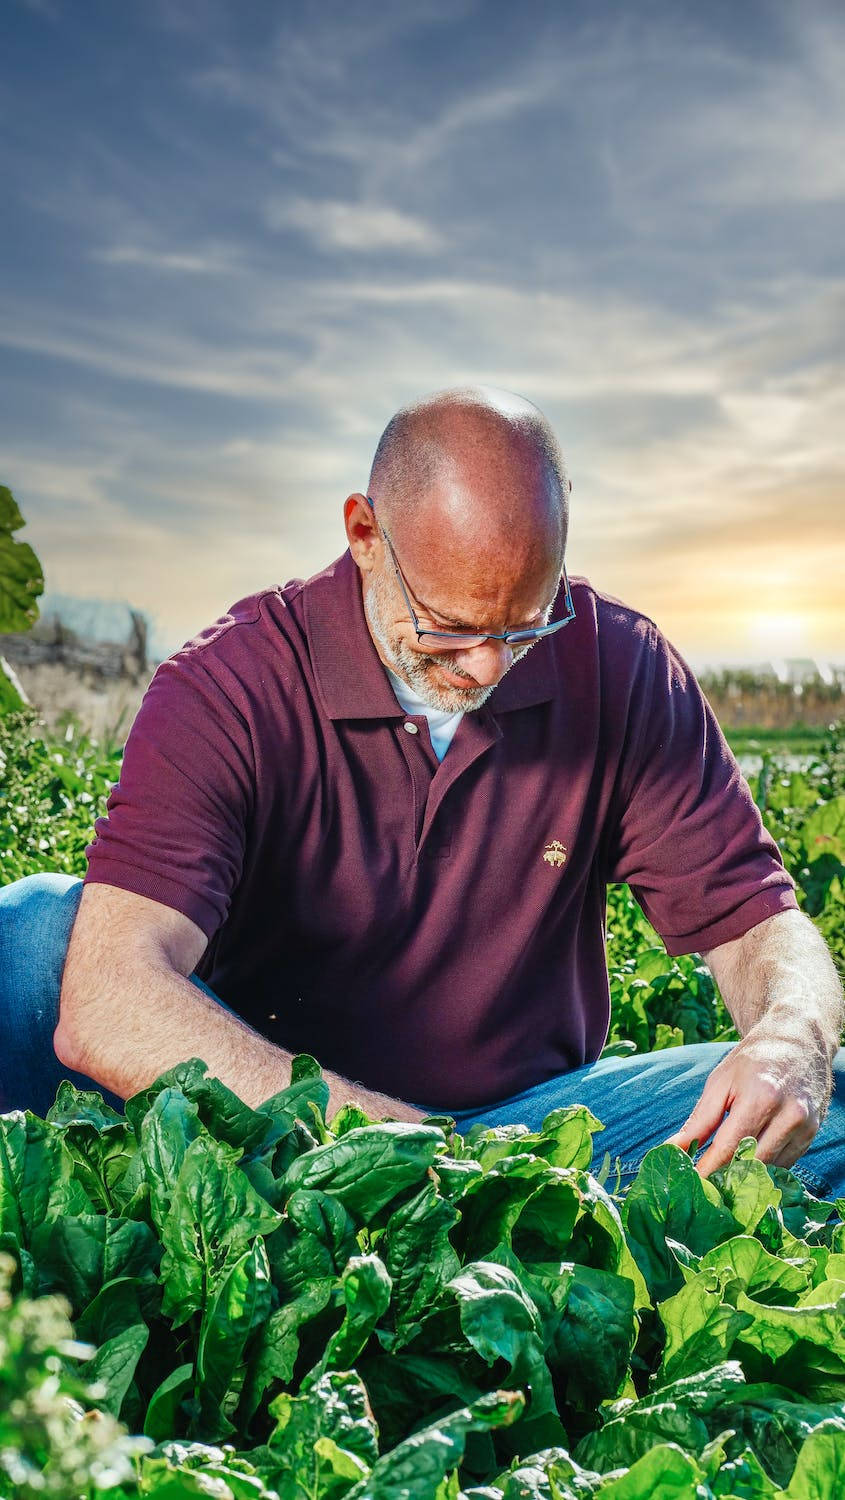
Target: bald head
[(473, 467), (469, 491)]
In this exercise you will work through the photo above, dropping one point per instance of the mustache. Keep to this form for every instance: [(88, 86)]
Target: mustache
[(443, 661)]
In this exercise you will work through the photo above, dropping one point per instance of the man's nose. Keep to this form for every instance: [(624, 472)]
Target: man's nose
[(487, 663)]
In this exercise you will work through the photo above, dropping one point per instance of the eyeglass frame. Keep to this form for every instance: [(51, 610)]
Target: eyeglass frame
[(510, 637)]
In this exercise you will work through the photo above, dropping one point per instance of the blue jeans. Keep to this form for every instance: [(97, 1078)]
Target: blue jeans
[(640, 1100)]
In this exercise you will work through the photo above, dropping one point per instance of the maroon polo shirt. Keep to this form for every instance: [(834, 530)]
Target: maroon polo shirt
[(433, 930)]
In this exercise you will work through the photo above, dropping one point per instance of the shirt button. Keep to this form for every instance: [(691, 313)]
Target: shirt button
[(410, 728)]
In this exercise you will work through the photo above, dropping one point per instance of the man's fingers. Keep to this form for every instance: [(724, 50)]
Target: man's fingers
[(724, 1143), (707, 1116), (789, 1133)]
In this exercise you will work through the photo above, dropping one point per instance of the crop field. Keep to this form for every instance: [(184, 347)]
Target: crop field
[(198, 1298)]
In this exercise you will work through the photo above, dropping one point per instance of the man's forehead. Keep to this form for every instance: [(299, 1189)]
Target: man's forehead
[(465, 587)]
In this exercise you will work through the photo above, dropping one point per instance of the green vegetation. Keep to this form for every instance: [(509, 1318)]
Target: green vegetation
[(51, 792), (21, 581), (662, 1002), (797, 739), (288, 1310)]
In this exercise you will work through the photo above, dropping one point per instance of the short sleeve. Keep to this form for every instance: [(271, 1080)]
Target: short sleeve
[(689, 839), (176, 821)]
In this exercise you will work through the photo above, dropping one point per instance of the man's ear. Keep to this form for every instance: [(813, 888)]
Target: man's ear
[(361, 531)]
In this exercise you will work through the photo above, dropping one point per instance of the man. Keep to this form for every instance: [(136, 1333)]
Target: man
[(375, 815)]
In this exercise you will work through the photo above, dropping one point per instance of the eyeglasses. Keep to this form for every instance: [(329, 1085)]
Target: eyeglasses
[(463, 640)]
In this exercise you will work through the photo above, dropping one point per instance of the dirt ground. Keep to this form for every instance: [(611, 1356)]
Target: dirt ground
[(105, 711)]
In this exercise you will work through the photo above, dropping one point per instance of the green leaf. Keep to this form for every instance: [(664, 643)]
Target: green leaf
[(500, 1321), (313, 1241), (366, 1168), (239, 1303), (817, 1325), (307, 1086), (214, 1214), (418, 1466), (274, 1354), (180, 1471), (21, 578), (36, 1181), (668, 1200), (100, 1142), (165, 1130), (746, 1186), (678, 1413), (664, 1473), (824, 830), (78, 1254), (418, 1255), (774, 1423), (219, 1109), (366, 1293), (163, 1417), (492, 1206), (765, 1277), (820, 1471), (743, 1478), (701, 1326), (113, 1366), (592, 1341), (296, 1461)]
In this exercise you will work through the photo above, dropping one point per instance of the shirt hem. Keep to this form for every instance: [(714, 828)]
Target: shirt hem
[(756, 909)]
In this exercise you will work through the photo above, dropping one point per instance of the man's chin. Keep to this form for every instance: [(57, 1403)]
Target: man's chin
[(441, 690)]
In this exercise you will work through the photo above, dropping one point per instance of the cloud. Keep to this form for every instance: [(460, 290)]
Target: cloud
[(336, 225), (188, 262)]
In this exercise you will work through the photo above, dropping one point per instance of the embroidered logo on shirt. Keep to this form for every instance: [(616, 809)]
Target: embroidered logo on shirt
[(555, 854)]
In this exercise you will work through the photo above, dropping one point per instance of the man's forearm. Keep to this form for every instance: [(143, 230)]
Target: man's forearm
[(779, 979), (124, 1043)]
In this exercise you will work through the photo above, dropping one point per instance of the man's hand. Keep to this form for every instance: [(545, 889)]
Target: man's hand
[(774, 1090), (779, 983)]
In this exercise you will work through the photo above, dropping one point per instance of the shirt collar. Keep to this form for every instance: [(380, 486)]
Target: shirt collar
[(351, 679)]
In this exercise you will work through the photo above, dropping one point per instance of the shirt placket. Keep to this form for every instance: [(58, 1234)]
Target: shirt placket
[(431, 781)]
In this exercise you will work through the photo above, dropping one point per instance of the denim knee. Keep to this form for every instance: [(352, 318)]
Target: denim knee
[(36, 918)]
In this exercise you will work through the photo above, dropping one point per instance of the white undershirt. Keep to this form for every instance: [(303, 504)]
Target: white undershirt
[(441, 725)]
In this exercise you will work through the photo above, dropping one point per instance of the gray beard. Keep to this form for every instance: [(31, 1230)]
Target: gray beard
[(416, 669)]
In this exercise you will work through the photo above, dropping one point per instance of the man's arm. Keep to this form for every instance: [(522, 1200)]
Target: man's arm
[(781, 987), (128, 1011)]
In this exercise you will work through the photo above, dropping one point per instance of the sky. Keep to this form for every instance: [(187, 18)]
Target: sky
[(236, 237)]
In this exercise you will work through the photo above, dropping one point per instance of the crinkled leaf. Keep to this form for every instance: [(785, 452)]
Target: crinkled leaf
[(366, 1294), (367, 1167), (294, 1463), (78, 1253), (314, 1240), (419, 1465), (418, 1255), (592, 1341), (240, 1302), (274, 1353), (668, 1200), (213, 1217), (36, 1176), (700, 1325), (746, 1186)]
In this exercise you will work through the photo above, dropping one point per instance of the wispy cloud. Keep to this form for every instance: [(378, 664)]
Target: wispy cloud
[(186, 262), (368, 227)]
